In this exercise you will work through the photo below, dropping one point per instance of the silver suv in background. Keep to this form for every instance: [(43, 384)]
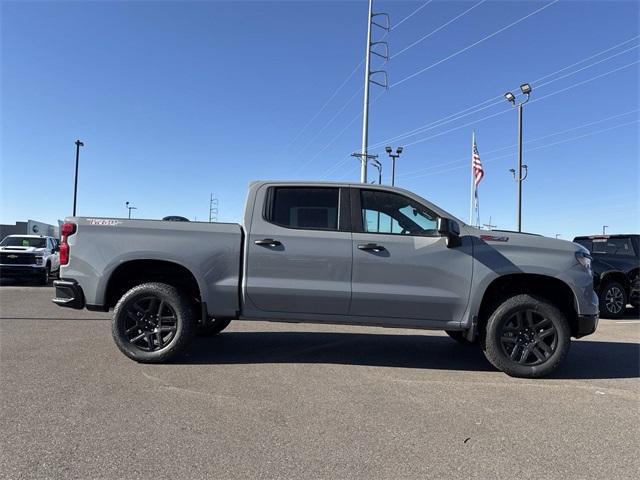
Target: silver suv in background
[(29, 256)]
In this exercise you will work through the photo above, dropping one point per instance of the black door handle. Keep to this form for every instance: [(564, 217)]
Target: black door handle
[(268, 242), (371, 247)]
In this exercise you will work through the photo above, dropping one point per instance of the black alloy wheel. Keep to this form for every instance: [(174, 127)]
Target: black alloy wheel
[(153, 322), (526, 336), (529, 338), (150, 323)]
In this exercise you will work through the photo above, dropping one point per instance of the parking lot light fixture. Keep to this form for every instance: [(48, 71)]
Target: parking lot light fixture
[(525, 88), (393, 157), (510, 97)]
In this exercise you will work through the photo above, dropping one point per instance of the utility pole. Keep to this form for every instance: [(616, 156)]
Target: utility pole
[(75, 187), (604, 228), (213, 209), (129, 208), (488, 225), (525, 88), (367, 80)]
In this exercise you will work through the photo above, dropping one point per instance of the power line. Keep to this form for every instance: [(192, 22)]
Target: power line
[(498, 99), (532, 101), (344, 82), (420, 40), (411, 14), (492, 159), (399, 82), (466, 158)]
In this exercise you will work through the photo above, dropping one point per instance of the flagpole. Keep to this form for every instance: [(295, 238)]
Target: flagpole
[(473, 141)]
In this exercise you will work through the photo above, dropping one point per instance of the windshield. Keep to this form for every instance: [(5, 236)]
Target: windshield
[(24, 242)]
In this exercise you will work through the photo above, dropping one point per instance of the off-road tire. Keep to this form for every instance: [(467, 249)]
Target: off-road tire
[(177, 303), (500, 333), (613, 300), (213, 327), (460, 337)]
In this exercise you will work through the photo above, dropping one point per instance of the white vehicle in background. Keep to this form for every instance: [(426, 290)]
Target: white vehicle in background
[(33, 256)]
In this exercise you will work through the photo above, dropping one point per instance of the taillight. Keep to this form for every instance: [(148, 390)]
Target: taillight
[(66, 230)]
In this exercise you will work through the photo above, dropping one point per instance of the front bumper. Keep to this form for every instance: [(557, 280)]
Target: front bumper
[(587, 324), (21, 270), (68, 294)]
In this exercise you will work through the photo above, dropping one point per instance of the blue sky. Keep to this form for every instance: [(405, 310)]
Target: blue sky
[(175, 100)]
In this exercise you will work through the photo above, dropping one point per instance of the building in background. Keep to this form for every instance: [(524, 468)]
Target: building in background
[(30, 227)]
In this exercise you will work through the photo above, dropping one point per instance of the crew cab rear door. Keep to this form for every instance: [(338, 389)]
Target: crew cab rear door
[(402, 267), (299, 250)]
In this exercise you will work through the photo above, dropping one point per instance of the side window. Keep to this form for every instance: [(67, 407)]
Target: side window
[(599, 245), (620, 246), (384, 212), (304, 208)]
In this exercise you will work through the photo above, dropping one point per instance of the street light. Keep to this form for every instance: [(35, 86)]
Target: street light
[(130, 208), (525, 88), (604, 228), (75, 185), (389, 151)]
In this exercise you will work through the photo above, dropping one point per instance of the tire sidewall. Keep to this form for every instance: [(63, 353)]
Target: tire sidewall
[(184, 321), (492, 343)]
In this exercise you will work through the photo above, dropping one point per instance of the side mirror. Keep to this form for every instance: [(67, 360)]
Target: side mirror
[(450, 229)]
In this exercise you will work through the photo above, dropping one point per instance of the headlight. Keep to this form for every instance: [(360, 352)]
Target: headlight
[(39, 260), (584, 259)]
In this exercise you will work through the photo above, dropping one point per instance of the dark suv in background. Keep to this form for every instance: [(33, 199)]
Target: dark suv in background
[(616, 267)]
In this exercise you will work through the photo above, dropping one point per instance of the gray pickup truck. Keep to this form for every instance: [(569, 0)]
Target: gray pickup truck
[(335, 253)]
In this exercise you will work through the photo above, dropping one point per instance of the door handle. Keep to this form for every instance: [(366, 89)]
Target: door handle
[(371, 247), (268, 242)]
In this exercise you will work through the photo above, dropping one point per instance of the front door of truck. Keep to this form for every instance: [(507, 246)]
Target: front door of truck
[(299, 250), (402, 267)]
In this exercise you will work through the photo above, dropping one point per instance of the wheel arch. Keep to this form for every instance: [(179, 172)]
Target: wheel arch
[(556, 291), (136, 272), (616, 276)]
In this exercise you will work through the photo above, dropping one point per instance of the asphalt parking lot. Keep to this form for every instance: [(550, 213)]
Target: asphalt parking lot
[(269, 400)]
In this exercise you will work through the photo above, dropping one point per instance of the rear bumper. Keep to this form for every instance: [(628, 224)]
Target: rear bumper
[(587, 324), (68, 294)]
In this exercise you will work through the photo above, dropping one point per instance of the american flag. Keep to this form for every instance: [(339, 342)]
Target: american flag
[(478, 171)]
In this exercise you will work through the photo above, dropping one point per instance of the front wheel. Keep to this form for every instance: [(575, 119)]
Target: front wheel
[(527, 336), (152, 323), (613, 300)]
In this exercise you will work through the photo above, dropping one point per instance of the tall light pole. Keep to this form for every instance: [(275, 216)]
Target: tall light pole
[(604, 228), (526, 90), (130, 208), (75, 185), (393, 156)]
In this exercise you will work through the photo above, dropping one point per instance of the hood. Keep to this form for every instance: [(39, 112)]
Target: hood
[(507, 239)]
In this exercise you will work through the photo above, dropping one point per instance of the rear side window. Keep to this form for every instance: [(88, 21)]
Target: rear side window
[(304, 208), (613, 246)]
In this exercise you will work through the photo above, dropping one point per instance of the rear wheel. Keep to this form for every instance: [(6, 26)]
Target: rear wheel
[(527, 336), (152, 323), (613, 300)]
